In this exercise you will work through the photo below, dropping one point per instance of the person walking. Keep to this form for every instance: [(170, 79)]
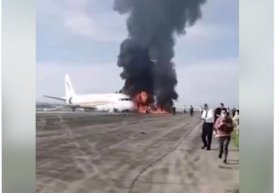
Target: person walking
[(234, 111), (217, 115), (217, 111), (207, 127), (228, 111), (224, 127), (191, 110), (236, 121), (173, 110)]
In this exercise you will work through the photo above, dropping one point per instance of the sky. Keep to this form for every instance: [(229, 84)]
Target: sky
[(82, 38)]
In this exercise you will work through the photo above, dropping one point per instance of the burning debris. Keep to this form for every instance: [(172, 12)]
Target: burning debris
[(144, 104), (146, 55)]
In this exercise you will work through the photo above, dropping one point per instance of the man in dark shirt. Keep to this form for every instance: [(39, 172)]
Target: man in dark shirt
[(191, 110), (234, 111), (173, 110), (218, 111)]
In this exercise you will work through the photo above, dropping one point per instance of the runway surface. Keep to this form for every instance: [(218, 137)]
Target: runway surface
[(119, 153)]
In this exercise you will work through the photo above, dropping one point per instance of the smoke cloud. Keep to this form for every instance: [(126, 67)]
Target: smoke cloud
[(146, 54)]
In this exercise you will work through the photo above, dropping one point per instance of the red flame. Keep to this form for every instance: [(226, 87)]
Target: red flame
[(143, 102)]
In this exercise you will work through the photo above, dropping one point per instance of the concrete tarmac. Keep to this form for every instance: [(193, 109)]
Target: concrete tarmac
[(128, 153)]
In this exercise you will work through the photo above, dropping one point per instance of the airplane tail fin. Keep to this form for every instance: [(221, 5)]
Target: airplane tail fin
[(69, 90)]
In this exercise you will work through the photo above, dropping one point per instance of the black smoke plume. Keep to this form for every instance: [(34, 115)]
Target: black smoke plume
[(146, 54)]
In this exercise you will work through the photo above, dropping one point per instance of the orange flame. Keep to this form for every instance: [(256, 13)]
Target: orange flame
[(143, 104)]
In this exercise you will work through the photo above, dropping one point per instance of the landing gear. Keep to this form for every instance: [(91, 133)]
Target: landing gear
[(73, 109)]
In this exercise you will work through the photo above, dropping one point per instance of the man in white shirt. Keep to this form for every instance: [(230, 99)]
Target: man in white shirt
[(207, 127)]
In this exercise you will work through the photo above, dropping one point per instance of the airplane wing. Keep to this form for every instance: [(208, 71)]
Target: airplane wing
[(57, 98)]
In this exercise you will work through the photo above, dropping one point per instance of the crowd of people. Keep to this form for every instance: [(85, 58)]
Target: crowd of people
[(191, 110), (220, 123)]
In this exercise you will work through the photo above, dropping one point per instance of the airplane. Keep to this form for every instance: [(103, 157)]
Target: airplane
[(112, 102)]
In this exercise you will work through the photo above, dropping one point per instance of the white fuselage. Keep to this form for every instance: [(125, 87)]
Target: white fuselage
[(102, 102)]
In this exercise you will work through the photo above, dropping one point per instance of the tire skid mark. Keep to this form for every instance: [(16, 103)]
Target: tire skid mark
[(131, 187)]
